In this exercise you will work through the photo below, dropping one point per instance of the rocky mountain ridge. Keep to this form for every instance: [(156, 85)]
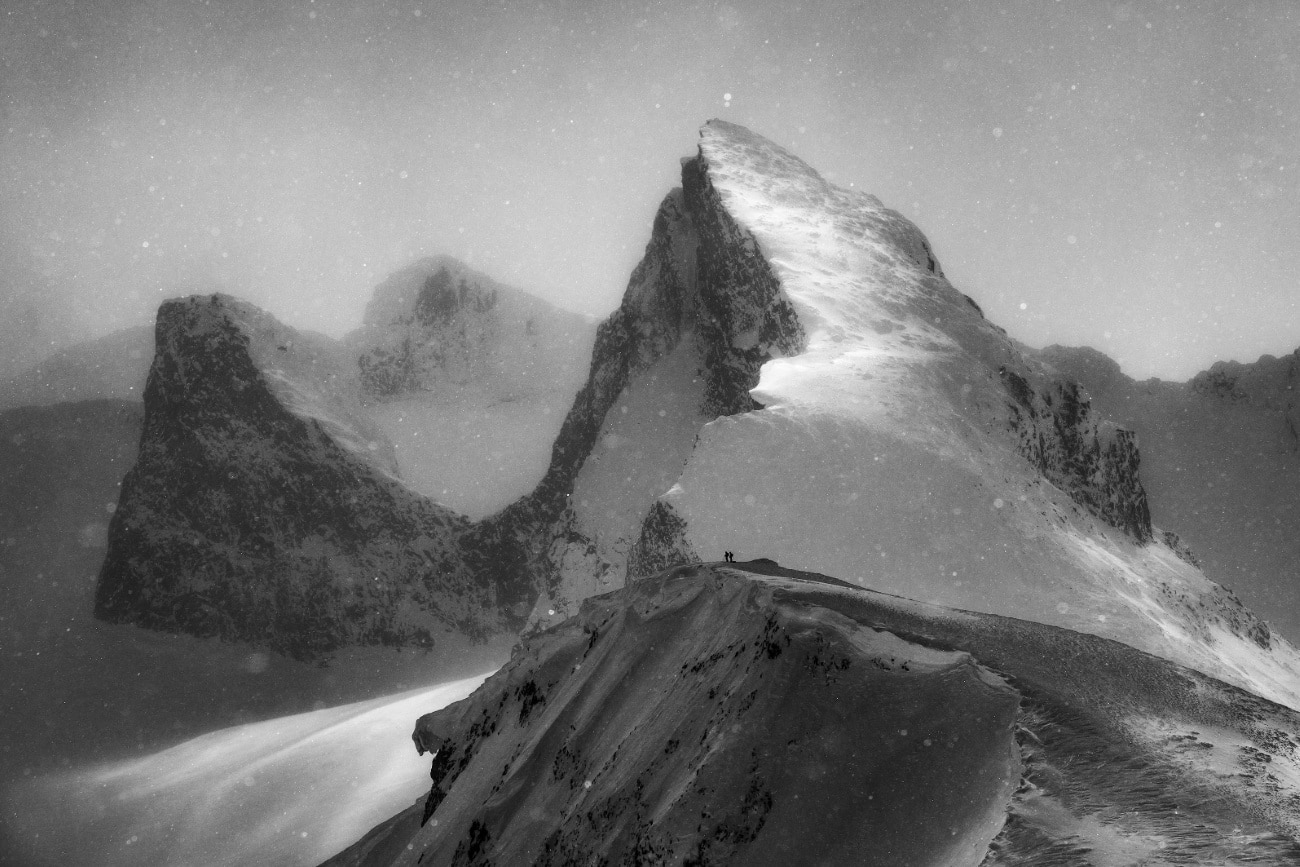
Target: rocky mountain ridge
[(263, 507), (986, 468), (712, 714), (778, 333), (112, 367)]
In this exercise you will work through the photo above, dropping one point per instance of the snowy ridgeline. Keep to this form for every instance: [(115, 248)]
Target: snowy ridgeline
[(749, 714), (899, 439)]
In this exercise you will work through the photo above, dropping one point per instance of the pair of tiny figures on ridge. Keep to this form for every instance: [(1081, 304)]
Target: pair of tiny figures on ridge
[(728, 557)]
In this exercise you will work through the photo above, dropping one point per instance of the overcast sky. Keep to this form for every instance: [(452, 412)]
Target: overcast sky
[(1124, 175)]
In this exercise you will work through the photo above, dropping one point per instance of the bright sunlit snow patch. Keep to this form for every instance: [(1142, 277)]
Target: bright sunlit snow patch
[(856, 272), (287, 791), (889, 447)]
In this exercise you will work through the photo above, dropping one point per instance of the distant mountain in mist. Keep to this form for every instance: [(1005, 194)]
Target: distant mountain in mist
[(470, 379), (112, 367)]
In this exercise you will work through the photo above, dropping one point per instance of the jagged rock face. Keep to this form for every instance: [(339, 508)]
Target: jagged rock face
[(261, 506), (713, 715), (746, 319), (1220, 459), (789, 371), (702, 313), (1095, 463)]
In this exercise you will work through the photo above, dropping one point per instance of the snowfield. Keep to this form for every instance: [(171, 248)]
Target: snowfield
[(288, 792)]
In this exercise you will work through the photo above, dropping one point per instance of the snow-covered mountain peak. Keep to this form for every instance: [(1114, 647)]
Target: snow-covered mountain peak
[(908, 442), (868, 290)]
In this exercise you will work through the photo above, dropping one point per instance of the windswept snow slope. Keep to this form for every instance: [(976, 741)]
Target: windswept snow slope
[(288, 791), (750, 714), (909, 445)]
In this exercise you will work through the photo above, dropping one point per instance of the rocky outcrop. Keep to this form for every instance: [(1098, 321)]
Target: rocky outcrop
[(662, 545), (1220, 460), (712, 715), (704, 287), (745, 318), (1270, 385), (262, 507), (1094, 461)]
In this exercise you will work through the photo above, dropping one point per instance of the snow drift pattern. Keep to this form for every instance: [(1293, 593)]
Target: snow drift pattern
[(715, 715)]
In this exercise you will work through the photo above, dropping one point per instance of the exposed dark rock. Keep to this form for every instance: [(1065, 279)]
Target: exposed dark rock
[(745, 318), (247, 520), (716, 716), (1179, 547), (662, 544), (1094, 461), (702, 279)]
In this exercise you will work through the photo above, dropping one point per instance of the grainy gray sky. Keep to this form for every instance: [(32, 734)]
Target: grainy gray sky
[(1125, 175)]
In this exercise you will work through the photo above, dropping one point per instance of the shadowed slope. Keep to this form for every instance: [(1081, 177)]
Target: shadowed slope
[(717, 715)]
